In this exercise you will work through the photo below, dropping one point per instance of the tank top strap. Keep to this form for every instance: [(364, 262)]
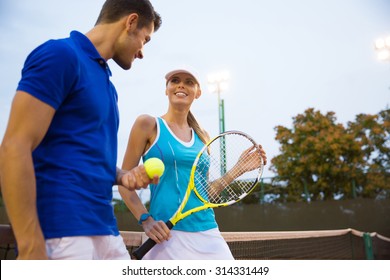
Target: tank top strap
[(167, 134)]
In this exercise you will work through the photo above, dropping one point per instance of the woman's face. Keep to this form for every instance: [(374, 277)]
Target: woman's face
[(182, 88)]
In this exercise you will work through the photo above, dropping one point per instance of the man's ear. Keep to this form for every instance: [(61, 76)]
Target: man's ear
[(132, 22)]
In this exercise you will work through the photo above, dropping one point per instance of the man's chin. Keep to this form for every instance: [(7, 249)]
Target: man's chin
[(124, 66)]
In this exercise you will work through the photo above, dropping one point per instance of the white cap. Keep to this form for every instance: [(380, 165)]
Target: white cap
[(179, 71)]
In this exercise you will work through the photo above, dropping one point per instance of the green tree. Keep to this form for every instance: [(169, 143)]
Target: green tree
[(372, 132), (326, 160)]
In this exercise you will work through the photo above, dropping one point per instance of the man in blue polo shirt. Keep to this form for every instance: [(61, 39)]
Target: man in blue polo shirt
[(58, 156)]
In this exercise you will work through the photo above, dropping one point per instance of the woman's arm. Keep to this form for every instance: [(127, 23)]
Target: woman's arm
[(142, 135), (247, 161)]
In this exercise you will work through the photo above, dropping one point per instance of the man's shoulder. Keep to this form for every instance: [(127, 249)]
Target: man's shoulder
[(60, 46)]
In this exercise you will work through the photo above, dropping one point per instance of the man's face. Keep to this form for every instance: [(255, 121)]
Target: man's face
[(130, 45)]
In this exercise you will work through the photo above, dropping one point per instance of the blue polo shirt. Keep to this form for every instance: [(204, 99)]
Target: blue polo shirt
[(75, 164)]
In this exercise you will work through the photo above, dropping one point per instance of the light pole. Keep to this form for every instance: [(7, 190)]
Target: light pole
[(218, 83)]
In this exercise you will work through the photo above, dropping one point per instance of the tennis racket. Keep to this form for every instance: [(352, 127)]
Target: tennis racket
[(226, 170)]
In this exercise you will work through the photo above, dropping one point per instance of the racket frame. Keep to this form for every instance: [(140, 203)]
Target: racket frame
[(179, 215)]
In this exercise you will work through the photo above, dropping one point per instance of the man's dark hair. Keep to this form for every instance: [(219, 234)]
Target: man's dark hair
[(113, 10)]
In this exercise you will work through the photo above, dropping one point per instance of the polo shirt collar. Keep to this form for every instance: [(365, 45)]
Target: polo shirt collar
[(86, 45)]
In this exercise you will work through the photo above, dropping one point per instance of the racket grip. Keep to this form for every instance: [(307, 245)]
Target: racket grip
[(147, 245), (169, 224), (143, 249)]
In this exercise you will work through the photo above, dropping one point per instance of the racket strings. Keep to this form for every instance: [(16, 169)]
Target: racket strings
[(225, 173)]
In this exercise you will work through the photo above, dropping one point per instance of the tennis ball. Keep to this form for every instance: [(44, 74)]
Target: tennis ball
[(153, 167)]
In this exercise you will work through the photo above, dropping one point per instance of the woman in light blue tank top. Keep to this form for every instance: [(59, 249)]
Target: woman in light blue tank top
[(176, 138)]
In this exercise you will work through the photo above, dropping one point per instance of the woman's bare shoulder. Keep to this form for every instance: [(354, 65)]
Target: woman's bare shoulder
[(145, 122)]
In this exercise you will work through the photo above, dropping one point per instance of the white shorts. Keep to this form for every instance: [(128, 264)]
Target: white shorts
[(203, 245), (105, 247)]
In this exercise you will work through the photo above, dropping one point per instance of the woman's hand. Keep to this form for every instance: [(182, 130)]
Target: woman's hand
[(250, 160), (156, 230)]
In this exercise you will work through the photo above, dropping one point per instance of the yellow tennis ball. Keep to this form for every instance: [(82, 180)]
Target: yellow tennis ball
[(153, 167)]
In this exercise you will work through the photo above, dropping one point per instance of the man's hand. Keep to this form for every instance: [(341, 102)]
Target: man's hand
[(135, 179)]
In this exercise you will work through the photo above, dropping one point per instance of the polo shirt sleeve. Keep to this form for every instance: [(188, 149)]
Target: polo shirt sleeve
[(49, 72)]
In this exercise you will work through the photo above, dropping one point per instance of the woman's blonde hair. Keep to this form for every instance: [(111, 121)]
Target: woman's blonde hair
[(196, 127)]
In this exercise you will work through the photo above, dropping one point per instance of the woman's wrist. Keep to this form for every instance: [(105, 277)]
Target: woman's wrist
[(144, 217)]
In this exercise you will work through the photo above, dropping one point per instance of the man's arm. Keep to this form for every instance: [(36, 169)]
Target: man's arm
[(28, 123)]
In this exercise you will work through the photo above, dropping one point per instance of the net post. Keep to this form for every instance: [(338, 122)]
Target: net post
[(368, 246), (306, 191), (261, 191), (354, 189)]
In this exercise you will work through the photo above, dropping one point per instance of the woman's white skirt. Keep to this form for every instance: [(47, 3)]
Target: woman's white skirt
[(201, 245)]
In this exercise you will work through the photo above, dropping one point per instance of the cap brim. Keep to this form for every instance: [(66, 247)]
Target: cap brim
[(170, 74)]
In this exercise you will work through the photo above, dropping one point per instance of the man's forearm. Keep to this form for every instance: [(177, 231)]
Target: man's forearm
[(19, 193)]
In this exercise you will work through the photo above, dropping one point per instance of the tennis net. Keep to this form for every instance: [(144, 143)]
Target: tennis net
[(344, 244)]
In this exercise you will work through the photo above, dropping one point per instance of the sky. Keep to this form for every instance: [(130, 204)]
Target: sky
[(283, 56)]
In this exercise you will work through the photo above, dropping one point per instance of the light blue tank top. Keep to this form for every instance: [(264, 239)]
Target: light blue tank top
[(166, 197)]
